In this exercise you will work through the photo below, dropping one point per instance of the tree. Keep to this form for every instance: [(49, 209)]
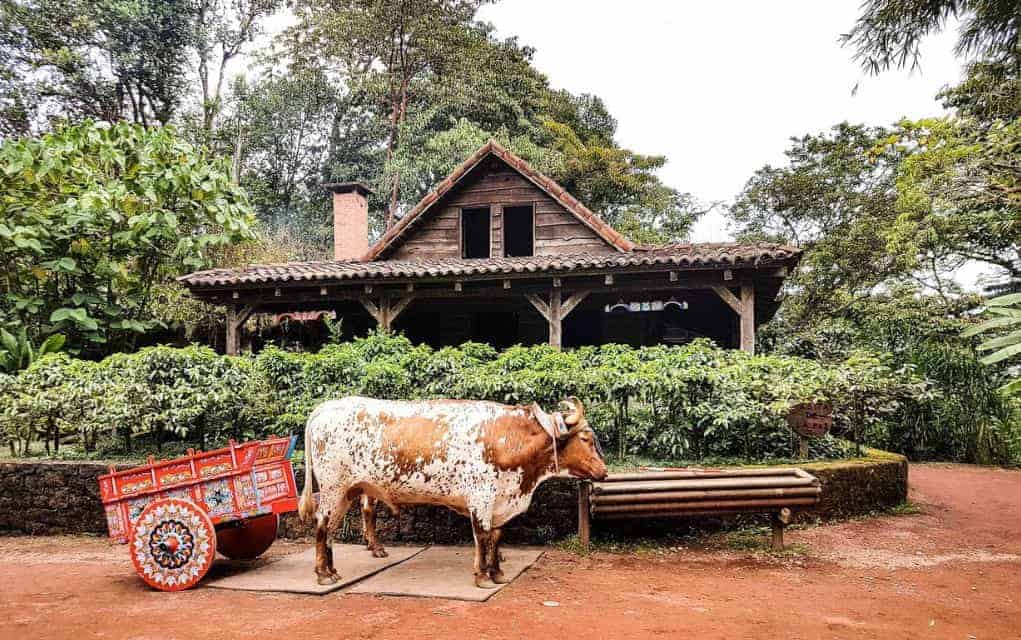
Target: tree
[(991, 91), (222, 28), (889, 32), (102, 59), (285, 122), (387, 48), (94, 217), (835, 198), (959, 193)]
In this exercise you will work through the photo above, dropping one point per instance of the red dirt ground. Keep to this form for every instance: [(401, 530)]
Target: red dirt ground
[(951, 571)]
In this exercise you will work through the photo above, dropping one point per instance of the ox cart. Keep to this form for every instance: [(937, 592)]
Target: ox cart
[(176, 514)]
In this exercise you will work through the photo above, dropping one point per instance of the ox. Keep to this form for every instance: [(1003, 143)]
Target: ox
[(481, 459)]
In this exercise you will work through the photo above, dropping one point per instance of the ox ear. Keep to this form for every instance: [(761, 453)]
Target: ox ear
[(552, 424)]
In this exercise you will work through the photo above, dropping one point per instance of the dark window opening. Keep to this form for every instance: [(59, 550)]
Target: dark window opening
[(475, 233), (518, 231)]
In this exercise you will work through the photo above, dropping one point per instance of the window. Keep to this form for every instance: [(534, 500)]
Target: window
[(475, 233), (518, 231)]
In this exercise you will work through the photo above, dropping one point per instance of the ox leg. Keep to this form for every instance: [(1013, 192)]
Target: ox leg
[(496, 557), (481, 565), (369, 527), (325, 573)]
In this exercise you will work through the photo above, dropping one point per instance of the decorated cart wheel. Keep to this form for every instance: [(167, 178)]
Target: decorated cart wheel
[(173, 544), (247, 539)]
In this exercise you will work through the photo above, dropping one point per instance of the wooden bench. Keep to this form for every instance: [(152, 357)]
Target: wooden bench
[(669, 494)]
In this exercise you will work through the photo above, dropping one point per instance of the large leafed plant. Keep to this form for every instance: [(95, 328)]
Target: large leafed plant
[(93, 217)]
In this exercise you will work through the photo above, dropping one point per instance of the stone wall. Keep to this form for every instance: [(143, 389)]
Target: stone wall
[(857, 487), (552, 516), (51, 497), (63, 497)]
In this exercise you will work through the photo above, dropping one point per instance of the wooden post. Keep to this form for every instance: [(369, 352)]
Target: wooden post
[(584, 514), (776, 540), (748, 318), (237, 316), (779, 522), (387, 310), (802, 447), (556, 310), (744, 307), (556, 320)]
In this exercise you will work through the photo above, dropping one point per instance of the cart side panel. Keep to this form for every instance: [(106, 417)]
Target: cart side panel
[(174, 474), (136, 481), (214, 465)]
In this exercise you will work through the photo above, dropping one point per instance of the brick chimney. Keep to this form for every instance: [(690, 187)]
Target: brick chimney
[(350, 219)]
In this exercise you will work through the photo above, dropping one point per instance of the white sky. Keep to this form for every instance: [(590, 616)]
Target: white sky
[(719, 87)]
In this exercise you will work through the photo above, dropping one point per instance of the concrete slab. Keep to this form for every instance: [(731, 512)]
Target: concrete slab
[(294, 573), (444, 572)]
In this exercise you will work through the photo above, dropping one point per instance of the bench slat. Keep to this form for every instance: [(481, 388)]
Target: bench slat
[(704, 473), (772, 504), (702, 484), (694, 496)]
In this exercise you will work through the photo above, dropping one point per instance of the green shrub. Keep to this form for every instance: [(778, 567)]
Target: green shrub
[(695, 402)]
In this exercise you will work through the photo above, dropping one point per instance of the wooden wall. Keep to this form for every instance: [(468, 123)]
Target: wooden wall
[(496, 185)]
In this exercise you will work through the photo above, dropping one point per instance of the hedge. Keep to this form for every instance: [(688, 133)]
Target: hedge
[(692, 402)]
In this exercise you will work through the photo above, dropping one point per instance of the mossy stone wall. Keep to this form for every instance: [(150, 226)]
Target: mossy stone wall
[(63, 497)]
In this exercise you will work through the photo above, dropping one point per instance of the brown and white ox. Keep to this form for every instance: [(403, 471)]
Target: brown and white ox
[(482, 459)]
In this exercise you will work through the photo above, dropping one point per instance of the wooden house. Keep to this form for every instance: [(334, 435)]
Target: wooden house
[(500, 253)]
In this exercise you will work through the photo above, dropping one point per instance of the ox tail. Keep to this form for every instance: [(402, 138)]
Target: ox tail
[(307, 504)]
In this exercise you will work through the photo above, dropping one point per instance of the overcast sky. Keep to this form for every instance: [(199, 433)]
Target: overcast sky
[(718, 87)]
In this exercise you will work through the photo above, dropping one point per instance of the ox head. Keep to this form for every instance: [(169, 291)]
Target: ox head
[(577, 446)]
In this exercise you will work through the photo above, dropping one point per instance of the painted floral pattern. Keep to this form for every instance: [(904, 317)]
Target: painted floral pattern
[(173, 545), (218, 497)]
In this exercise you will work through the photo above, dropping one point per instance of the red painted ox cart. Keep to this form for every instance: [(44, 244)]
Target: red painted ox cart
[(176, 514)]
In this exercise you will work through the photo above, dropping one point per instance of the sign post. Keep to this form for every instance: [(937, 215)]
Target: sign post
[(810, 420)]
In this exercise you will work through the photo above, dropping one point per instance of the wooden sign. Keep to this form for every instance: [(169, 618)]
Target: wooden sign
[(811, 419)]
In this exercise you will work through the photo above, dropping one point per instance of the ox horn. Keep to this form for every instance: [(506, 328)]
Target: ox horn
[(577, 411)]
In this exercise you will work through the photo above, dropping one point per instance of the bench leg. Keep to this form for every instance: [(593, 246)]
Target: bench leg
[(584, 515), (779, 522), (776, 543)]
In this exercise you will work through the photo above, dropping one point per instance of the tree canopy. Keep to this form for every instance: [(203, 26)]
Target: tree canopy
[(888, 33)]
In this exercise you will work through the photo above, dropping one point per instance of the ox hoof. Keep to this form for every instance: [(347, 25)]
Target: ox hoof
[(332, 578), (481, 582), (498, 578), (379, 552)]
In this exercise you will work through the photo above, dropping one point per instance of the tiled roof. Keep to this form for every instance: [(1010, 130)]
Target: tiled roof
[(551, 188), (681, 256)]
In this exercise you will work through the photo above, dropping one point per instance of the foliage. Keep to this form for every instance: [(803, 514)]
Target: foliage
[(102, 59), (92, 218), (1005, 321), (695, 402), (17, 352), (964, 419), (835, 198), (283, 123), (889, 32), (218, 35), (958, 193), (113, 60)]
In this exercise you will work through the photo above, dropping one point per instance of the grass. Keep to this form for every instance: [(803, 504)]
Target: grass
[(757, 540), (747, 539), (636, 546), (906, 508)]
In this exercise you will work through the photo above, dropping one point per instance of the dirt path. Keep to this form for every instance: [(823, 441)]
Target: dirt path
[(952, 571)]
